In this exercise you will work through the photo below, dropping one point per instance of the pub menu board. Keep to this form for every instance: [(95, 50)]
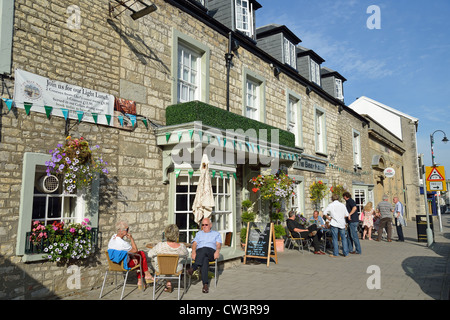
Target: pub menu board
[(260, 242)]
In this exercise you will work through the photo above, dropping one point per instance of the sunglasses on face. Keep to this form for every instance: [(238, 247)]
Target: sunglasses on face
[(204, 225)]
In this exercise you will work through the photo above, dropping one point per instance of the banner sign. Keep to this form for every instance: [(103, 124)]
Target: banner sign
[(62, 99)]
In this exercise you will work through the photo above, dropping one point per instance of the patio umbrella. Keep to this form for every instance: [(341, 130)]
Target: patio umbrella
[(204, 199)]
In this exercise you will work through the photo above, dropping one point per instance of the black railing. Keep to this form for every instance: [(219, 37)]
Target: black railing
[(33, 247)]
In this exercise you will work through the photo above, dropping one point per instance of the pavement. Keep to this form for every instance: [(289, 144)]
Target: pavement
[(394, 270)]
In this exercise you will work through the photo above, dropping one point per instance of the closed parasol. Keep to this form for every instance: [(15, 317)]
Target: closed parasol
[(204, 199)]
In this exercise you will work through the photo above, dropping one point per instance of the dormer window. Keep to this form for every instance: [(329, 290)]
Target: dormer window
[(244, 18), (315, 72), (289, 53), (339, 90)]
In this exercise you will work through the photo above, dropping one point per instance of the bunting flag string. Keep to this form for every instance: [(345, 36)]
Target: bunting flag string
[(191, 173), (28, 106)]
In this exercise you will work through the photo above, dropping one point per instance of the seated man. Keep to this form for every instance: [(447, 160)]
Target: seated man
[(205, 248), (318, 220), (297, 232)]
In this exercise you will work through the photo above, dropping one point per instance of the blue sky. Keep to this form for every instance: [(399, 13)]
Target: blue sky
[(404, 65)]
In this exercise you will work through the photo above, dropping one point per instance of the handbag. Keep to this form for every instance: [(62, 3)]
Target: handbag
[(361, 216)]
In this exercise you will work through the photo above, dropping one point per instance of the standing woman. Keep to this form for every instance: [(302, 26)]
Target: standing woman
[(368, 220)]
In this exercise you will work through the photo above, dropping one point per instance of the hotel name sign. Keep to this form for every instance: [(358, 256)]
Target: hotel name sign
[(310, 165)]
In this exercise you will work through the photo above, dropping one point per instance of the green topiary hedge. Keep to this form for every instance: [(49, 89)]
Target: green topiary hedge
[(222, 119)]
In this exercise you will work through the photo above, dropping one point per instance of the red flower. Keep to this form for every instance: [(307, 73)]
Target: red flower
[(255, 190)]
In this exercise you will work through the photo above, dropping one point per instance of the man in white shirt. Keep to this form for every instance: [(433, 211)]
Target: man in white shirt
[(399, 219), (338, 212)]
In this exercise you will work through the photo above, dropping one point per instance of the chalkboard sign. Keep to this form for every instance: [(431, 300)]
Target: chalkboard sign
[(260, 242)]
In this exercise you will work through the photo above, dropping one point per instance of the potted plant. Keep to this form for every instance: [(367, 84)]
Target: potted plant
[(63, 242), (275, 189), (76, 162)]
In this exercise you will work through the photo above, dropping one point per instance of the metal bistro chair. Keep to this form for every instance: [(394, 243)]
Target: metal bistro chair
[(212, 264), (299, 241), (119, 268), (168, 264)]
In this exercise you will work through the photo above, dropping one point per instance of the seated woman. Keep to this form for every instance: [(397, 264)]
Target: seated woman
[(170, 246), (118, 243)]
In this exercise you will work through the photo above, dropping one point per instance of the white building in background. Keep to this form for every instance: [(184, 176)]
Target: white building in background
[(404, 127)]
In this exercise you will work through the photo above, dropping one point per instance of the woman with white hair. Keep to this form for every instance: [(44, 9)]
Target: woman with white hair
[(117, 242)]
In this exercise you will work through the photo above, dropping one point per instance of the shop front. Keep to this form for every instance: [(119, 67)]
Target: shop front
[(235, 154)]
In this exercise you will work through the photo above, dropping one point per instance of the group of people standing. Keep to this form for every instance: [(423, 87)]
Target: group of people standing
[(345, 219)]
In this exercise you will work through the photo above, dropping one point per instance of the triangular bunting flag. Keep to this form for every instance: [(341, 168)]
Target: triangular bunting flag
[(132, 118), (213, 173), (9, 103), (120, 120), (168, 136), (80, 115), (48, 111), (234, 175), (177, 172), (191, 132), (191, 173), (108, 118), (65, 113), (221, 174), (144, 120), (180, 134), (27, 106), (95, 116)]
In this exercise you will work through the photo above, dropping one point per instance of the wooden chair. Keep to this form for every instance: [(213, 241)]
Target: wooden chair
[(168, 264), (119, 268)]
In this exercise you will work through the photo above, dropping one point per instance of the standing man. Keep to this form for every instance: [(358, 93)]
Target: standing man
[(338, 213), (205, 248), (398, 218), (353, 223), (384, 210)]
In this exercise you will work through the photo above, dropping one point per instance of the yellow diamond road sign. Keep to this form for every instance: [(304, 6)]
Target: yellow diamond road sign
[(435, 178)]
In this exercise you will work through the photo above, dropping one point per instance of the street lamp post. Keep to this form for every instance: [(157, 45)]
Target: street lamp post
[(445, 140)]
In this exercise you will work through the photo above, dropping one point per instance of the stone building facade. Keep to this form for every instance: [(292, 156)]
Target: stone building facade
[(98, 46)]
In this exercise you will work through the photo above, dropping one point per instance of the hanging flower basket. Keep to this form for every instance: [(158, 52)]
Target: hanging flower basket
[(338, 190), (317, 191), (76, 162)]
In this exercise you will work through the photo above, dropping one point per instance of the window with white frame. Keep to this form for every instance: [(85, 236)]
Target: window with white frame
[(339, 90), (186, 187), (252, 101), (297, 200), (315, 72), (357, 148), (289, 53), (320, 131), (49, 207), (47, 203), (294, 118), (188, 74), (360, 197), (244, 17)]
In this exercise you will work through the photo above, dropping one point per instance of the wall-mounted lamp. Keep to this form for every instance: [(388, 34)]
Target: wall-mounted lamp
[(135, 14), (234, 45), (340, 109), (308, 90), (276, 71)]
